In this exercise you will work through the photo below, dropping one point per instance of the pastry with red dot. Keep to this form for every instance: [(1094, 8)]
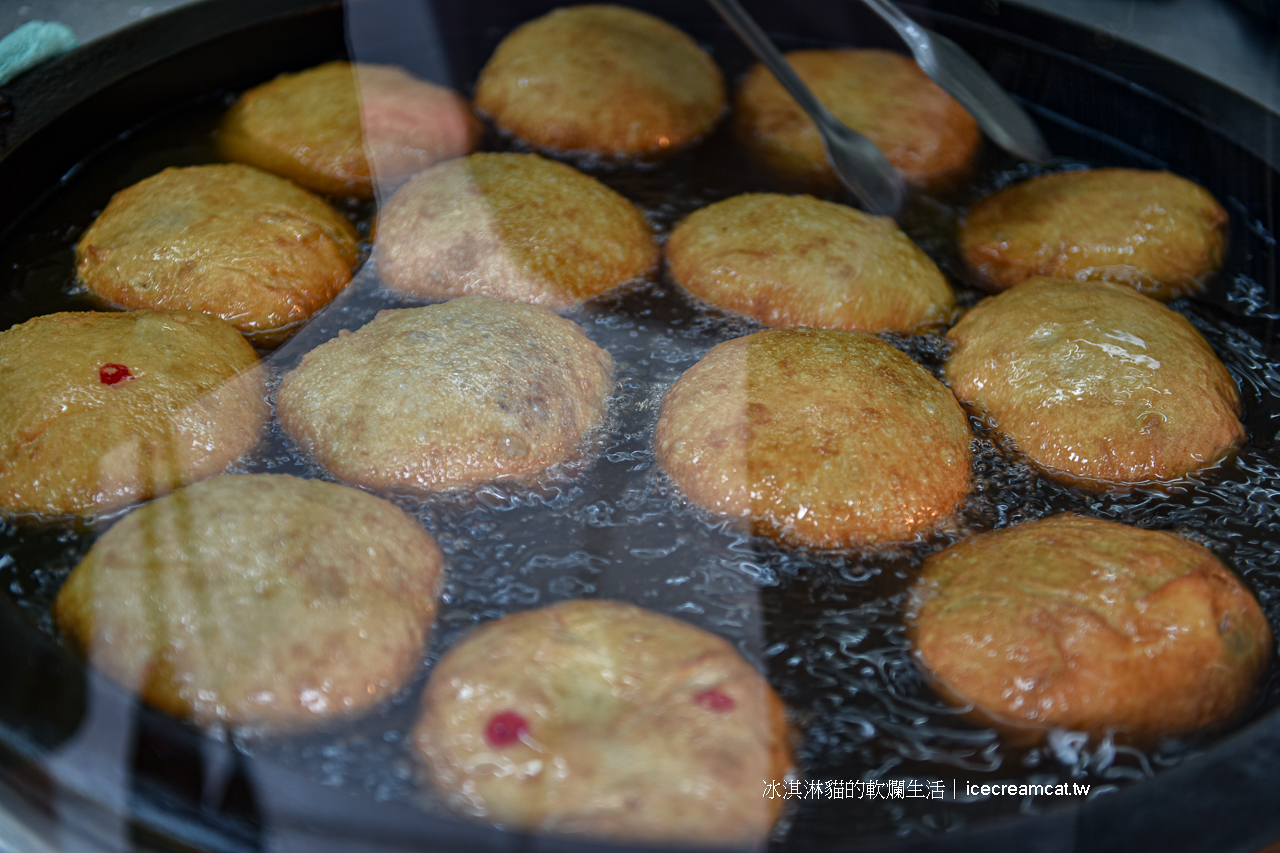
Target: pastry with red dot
[(1097, 385), (343, 128), (257, 600), (228, 240), (603, 720), (449, 395), (1154, 231), (1089, 625), (602, 79), (817, 438), (512, 226), (101, 410)]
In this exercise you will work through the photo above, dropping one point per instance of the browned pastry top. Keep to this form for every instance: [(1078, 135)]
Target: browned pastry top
[(602, 79), (601, 719), (798, 261), (1096, 384), (448, 395), (106, 409), (1153, 231), (1089, 625), (337, 128), (228, 240), (884, 96), (511, 226), (257, 600), (817, 437)]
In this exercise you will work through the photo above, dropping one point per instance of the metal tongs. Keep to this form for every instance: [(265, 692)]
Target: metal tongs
[(857, 161), (999, 116)]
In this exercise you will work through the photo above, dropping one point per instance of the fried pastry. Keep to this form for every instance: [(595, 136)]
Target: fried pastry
[(1153, 231), (514, 227), (228, 240), (106, 409), (341, 129), (1096, 384), (257, 600), (1090, 625), (600, 719), (602, 79), (884, 96), (817, 438), (468, 391), (797, 261)]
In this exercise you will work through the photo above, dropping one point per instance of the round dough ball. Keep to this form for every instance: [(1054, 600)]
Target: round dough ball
[(602, 79), (514, 227), (1095, 383), (257, 600), (448, 395), (797, 261), (884, 96), (819, 438), (227, 240), (101, 410), (1154, 231), (338, 128), (1089, 625), (601, 719)]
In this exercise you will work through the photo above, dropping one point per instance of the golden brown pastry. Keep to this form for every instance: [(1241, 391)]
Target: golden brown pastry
[(100, 410), (797, 261), (340, 128), (1096, 384), (1153, 231), (884, 96), (449, 395), (600, 719), (227, 240), (1089, 625), (514, 227), (602, 79), (818, 438), (257, 600)]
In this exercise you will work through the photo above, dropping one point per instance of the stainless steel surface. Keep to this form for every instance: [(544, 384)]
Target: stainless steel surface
[(857, 161), (999, 116), (1216, 38)]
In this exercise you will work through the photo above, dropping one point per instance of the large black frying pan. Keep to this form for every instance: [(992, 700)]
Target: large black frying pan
[(179, 790)]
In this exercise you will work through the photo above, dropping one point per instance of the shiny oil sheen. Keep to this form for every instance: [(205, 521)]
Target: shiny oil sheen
[(825, 628)]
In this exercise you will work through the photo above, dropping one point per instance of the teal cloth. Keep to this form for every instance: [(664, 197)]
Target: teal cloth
[(30, 44)]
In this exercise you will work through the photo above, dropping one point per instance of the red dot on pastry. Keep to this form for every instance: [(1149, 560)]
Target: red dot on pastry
[(110, 374), (505, 728), (714, 700)]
